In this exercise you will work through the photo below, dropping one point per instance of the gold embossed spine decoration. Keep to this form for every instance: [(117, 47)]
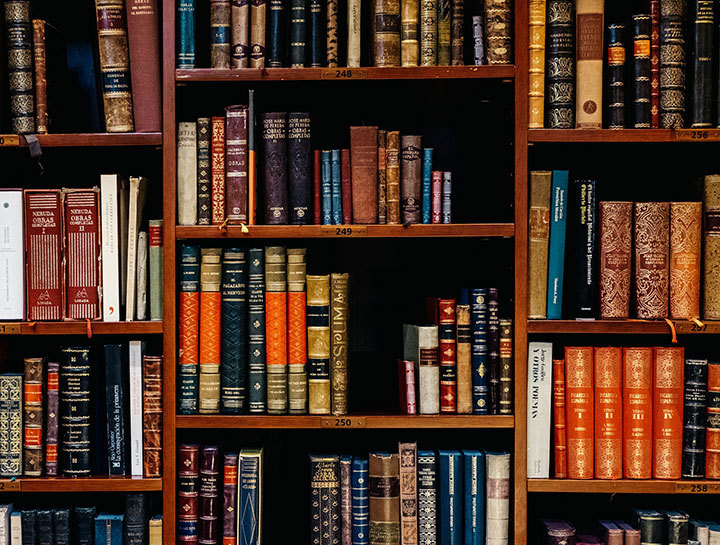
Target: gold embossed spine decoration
[(711, 251), (428, 32), (257, 34), (536, 78), (39, 54), (384, 493), (538, 239), (580, 411), (685, 255), (332, 33), (387, 33), (409, 32), (652, 249), (615, 258), (318, 344)]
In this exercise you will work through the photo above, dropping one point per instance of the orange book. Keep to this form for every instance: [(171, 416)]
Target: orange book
[(276, 327), (637, 408), (559, 419), (608, 412), (210, 328), (189, 315), (579, 409), (297, 330), (712, 446), (668, 388)]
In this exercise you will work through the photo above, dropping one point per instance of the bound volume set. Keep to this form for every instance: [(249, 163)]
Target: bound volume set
[(267, 338), (46, 414), (639, 413), (654, 257), (316, 33), (463, 362), (80, 254)]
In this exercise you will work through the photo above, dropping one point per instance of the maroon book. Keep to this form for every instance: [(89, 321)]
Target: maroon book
[(346, 178), (230, 497), (317, 182), (436, 197), (144, 46), (44, 244), (406, 383), (209, 509), (236, 156), (82, 240), (188, 486)]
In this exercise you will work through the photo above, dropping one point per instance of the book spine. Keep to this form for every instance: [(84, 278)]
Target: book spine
[(456, 33), (276, 328), (111, 240), (209, 496), (115, 403), (297, 33), (188, 486), (114, 65), (189, 329), (446, 197), (408, 493), (608, 412), (186, 34), (155, 258), (154, 530), (444, 51), (384, 492), (275, 146), (560, 77), (29, 527), (144, 49), (702, 17), (479, 350), (318, 335), (498, 498), (240, 33), (464, 359), (668, 412), (33, 448), (325, 507), (187, 173), (135, 524), (694, 418), (326, 187), (217, 150), (249, 523), (317, 187), (538, 414), (300, 167), (141, 276), (339, 342), (277, 33), (382, 178), (536, 70), (75, 412), (152, 416), (392, 174), (346, 499), (450, 497), (685, 251), (616, 55), (427, 497), (559, 433), (427, 184), (61, 522), (473, 497), (316, 32), (210, 331), (406, 383), (39, 60), (19, 33), (236, 164), (538, 242), (652, 241), (51, 422), (83, 524), (638, 413), (332, 33), (615, 259), (478, 40), (498, 22), (590, 63), (641, 70), (712, 446), (363, 161), (411, 179), (409, 19), (360, 503), (230, 495), (428, 370), (335, 187), (353, 32), (135, 389), (655, 64), (579, 403), (711, 248), (672, 64), (556, 247), (257, 33), (297, 332), (387, 43), (346, 187), (585, 269), (257, 380), (428, 32), (447, 331), (506, 367), (436, 206)]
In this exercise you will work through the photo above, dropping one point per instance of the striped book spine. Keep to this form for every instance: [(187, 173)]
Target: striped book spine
[(427, 497), (276, 328), (257, 379), (189, 325), (318, 334), (448, 356)]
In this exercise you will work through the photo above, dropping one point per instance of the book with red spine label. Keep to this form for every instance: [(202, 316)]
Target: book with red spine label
[(448, 355), (217, 170), (559, 434)]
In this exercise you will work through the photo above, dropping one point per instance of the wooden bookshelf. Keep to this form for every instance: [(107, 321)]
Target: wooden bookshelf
[(623, 486), (81, 328), (344, 422), (629, 327), (622, 135), (81, 484), (84, 140)]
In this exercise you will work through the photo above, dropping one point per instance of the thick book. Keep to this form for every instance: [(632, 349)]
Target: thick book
[(210, 331), (276, 329), (609, 533), (299, 166), (450, 504), (558, 420), (318, 344), (428, 32), (608, 412), (188, 487), (155, 530), (19, 36), (75, 369), (473, 497), (497, 506), (217, 170), (188, 330), (220, 33), (694, 418), (186, 34), (339, 352), (45, 528), (257, 381), (538, 241), (615, 98), (28, 527), (250, 515), (384, 495), (277, 33), (258, 19), (701, 20), (651, 524), (111, 237), (116, 399), (152, 422), (346, 499), (652, 249), (498, 34), (685, 255), (447, 333), (538, 414), (233, 333), (236, 164), (585, 226), (144, 48), (559, 92), (409, 19), (298, 38), (428, 370), (411, 178), (187, 173), (230, 497), (386, 35), (12, 256), (408, 493), (156, 269), (638, 412), (631, 535), (505, 399), (712, 439), (641, 71), (331, 33), (325, 524), (52, 419), (33, 387), (711, 248), (137, 197), (204, 182), (135, 389), (536, 69), (479, 350), (360, 502), (556, 248), (590, 30), (137, 514), (364, 164), (615, 258), (82, 524), (673, 22), (579, 403), (209, 495), (464, 359), (274, 134), (392, 177), (109, 529), (557, 531), (297, 331), (61, 522)]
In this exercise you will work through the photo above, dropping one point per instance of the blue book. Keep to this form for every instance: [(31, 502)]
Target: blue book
[(188, 373), (109, 529), (250, 484), (115, 402), (427, 185), (474, 496), (233, 363), (427, 497), (257, 380), (479, 350), (556, 251), (186, 34), (450, 506), (326, 187), (84, 90), (336, 191), (360, 502)]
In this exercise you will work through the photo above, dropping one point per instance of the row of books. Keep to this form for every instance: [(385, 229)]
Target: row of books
[(65, 525), (80, 254), (316, 33), (637, 412), (384, 177), (652, 251), (257, 334), (47, 414), (127, 52), (463, 362)]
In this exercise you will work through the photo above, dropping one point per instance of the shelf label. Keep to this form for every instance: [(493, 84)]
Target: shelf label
[(344, 73), (9, 140), (697, 135), (9, 486), (702, 327), (344, 231), (343, 422), (697, 488), (10, 329)]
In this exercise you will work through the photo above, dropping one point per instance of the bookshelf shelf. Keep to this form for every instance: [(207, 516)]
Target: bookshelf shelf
[(622, 135), (81, 328), (89, 484), (86, 140), (345, 74), (343, 422), (623, 486), (621, 327)]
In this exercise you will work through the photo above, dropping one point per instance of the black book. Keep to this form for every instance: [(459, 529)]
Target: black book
[(83, 525), (257, 393), (493, 349), (28, 522), (694, 419), (584, 218), (136, 519), (317, 33), (19, 36), (641, 71), (45, 527), (560, 65), (233, 365), (615, 92), (651, 524), (61, 520), (702, 18), (277, 15), (298, 33), (300, 168), (672, 64), (274, 133), (204, 192), (116, 397), (75, 406), (678, 524)]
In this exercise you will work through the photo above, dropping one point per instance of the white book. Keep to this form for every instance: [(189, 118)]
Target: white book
[(187, 173), (110, 250), (539, 409), (354, 37), (700, 531), (136, 408), (16, 528), (497, 514), (12, 255), (135, 210), (142, 276), (6, 510), (123, 205), (428, 376)]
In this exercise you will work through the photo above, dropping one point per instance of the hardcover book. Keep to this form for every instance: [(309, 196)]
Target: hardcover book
[(652, 248), (318, 335), (299, 166), (701, 17), (559, 430), (479, 350), (339, 352), (464, 359), (346, 498), (257, 33), (75, 411), (144, 50), (536, 76), (209, 495), (250, 513), (297, 33), (346, 185), (51, 422), (556, 249), (473, 496), (354, 18), (277, 33), (12, 282), (579, 398), (411, 178), (236, 164), (505, 400), (448, 355), (615, 259), (450, 509), (615, 89), (638, 412), (672, 64), (188, 487), (11, 419), (428, 32), (116, 397), (152, 416), (694, 418), (685, 252), (230, 497), (712, 445), (382, 180), (408, 493), (274, 133), (711, 248), (233, 312), (384, 494), (240, 33), (364, 164), (19, 36), (189, 323), (360, 502), (210, 332), (497, 506), (410, 15), (498, 35), (444, 33), (590, 29), (608, 412), (257, 381), (109, 529), (386, 44), (560, 65), (187, 173), (427, 497), (655, 64), (186, 34), (642, 65), (297, 332), (112, 239), (325, 499), (585, 218), (276, 328), (217, 170), (332, 33), (538, 414), (538, 240)]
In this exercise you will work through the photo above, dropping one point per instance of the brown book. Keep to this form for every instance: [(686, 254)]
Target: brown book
[(411, 178), (387, 33), (668, 388), (559, 432), (152, 415), (33, 387), (384, 494), (346, 183), (579, 411), (40, 62), (538, 239), (637, 411), (409, 32), (408, 493), (220, 33), (457, 23), (236, 163), (392, 175), (590, 32), (631, 535), (536, 77), (257, 33), (240, 33), (332, 33), (608, 412), (712, 446), (363, 161), (652, 249), (144, 43), (685, 252), (382, 177), (464, 359), (711, 251), (615, 259), (609, 533), (217, 169), (498, 31)]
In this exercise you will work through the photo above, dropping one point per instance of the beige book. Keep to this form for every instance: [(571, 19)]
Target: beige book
[(538, 238), (590, 32)]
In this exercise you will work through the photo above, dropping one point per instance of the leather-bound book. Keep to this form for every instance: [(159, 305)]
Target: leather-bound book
[(498, 31), (316, 34), (651, 524), (407, 400), (276, 329), (217, 170), (427, 185), (209, 496), (109, 528), (152, 415), (384, 492), (346, 184), (11, 420), (609, 533), (219, 33), (387, 33), (45, 528), (236, 164), (672, 64), (188, 486), (360, 501), (410, 16), (615, 93), (473, 470), (346, 499), (115, 65), (505, 400), (448, 355), (464, 363), (478, 40), (444, 33), (637, 412), (457, 23), (579, 404), (590, 30), (257, 33), (210, 331), (318, 336), (652, 246), (363, 161), (339, 342), (326, 187), (44, 248), (75, 411), (335, 187), (276, 172), (353, 32), (317, 187), (297, 332), (240, 33), (559, 433), (82, 245), (497, 487), (116, 396), (538, 236), (277, 33), (33, 447), (257, 380), (61, 523), (136, 518), (428, 370), (408, 493), (204, 187), (608, 412), (711, 248), (325, 499), (332, 33), (685, 255), (392, 174), (299, 167), (230, 497), (712, 446), (557, 532), (641, 71), (631, 535), (187, 173), (189, 323), (51, 421), (19, 34), (298, 40), (29, 530), (427, 497), (677, 526), (144, 47), (82, 524), (446, 197), (615, 258), (694, 418), (411, 182), (536, 76), (186, 34), (702, 18), (382, 178), (428, 32), (479, 350), (436, 190), (655, 64), (40, 64)]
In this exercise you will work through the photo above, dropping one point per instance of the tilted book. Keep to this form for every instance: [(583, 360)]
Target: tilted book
[(210, 331), (668, 384), (297, 331), (694, 418), (638, 412), (318, 335), (538, 414), (579, 407), (608, 412), (276, 328)]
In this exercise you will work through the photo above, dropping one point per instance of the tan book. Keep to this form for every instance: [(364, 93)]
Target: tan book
[(590, 32), (428, 32), (711, 255), (384, 498), (155, 530), (538, 239), (409, 32), (257, 34), (210, 305), (339, 341), (536, 77), (685, 256), (353, 33), (240, 34), (652, 249), (464, 359), (392, 177), (318, 338), (408, 493)]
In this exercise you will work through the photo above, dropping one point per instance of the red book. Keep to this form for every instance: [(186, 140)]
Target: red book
[(217, 164), (406, 382), (579, 409), (230, 496), (712, 447), (637, 410), (608, 412), (236, 163), (144, 48), (82, 240), (44, 243), (669, 383), (447, 332), (559, 436), (431, 310), (188, 489), (436, 196), (346, 178), (317, 191), (655, 64)]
